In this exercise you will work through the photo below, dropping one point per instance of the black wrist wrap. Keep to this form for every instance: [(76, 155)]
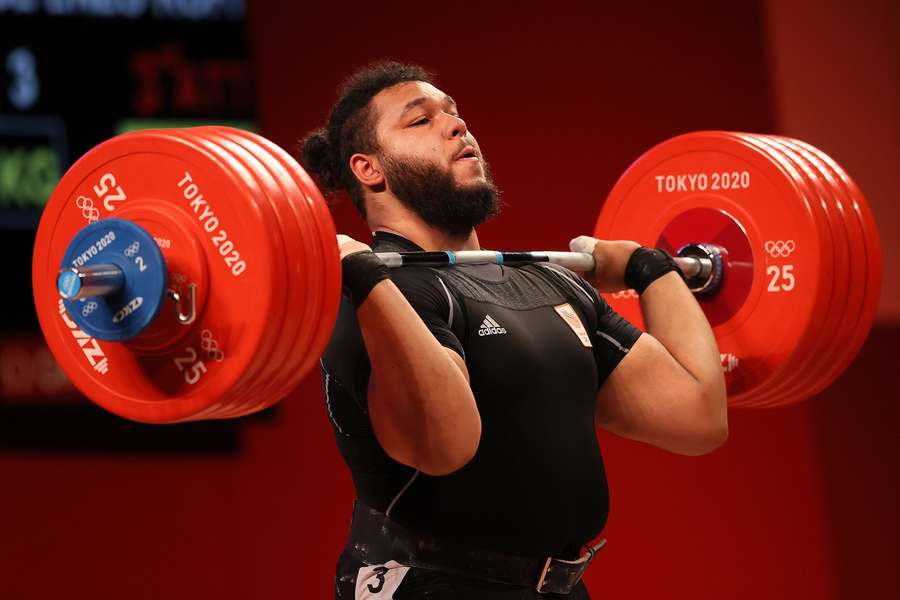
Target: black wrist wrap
[(360, 272), (646, 265)]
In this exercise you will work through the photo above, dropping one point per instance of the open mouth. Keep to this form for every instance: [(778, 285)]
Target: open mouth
[(468, 153)]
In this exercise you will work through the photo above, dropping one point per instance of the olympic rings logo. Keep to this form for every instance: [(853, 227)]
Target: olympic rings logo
[(624, 294), (211, 346), (88, 210), (133, 249), (730, 362), (780, 248), (88, 308)]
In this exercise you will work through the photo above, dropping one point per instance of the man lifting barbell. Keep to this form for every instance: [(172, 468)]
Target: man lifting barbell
[(473, 452), (464, 399)]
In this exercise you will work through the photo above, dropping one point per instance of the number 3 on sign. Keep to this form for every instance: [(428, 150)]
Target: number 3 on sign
[(782, 278), (190, 366)]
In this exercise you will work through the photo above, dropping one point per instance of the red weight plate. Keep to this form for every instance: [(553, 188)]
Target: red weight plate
[(328, 235), (259, 373), (775, 390), (856, 271), (709, 171), (866, 271), (304, 232), (795, 383), (310, 275), (833, 330), (330, 291), (283, 319), (261, 378), (286, 344), (176, 384), (800, 351), (209, 342), (286, 347)]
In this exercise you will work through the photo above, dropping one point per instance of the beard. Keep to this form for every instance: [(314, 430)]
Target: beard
[(432, 194)]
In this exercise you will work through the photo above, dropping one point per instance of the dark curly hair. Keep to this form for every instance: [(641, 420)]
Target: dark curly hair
[(325, 153)]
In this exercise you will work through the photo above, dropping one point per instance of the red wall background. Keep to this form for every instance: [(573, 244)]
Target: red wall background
[(836, 83), (801, 502)]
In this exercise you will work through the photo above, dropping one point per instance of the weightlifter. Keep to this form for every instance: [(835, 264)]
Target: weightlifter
[(464, 399)]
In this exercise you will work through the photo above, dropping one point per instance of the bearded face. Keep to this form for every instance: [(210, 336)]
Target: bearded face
[(433, 194)]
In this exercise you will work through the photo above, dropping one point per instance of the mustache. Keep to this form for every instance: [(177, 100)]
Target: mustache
[(465, 143)]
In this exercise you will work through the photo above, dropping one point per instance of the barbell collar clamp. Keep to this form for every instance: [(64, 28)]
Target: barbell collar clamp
[(706, 277), (188, 315)]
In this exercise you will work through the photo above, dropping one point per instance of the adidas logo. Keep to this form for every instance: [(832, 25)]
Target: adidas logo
[(490, 327)]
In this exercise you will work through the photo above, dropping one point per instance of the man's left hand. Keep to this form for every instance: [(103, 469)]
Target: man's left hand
[(610, 259)]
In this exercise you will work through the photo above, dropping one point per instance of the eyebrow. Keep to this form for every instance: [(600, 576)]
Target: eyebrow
[(421, 100)]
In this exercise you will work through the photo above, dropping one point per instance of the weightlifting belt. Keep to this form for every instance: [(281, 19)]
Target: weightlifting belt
[(376, 539)]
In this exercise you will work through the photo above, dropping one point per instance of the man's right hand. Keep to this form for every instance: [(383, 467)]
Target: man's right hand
[(347, 245)]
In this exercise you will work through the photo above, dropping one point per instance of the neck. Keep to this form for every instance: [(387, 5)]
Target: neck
[(435, 240), (407, 224)]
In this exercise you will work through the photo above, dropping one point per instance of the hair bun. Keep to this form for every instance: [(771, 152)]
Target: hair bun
[(317, 157)]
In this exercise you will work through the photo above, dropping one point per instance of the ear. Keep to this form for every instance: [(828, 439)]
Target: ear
[(367, 169)]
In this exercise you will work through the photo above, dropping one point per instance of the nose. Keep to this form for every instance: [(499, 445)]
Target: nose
[(456, 127)]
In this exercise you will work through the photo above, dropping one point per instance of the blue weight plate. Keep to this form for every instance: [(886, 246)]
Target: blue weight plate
[(125, 313)]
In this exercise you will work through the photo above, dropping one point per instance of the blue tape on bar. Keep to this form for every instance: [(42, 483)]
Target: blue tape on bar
[(499, 257), (452, 256)]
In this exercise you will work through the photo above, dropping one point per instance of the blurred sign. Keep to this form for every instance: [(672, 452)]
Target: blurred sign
[(32, 151), (29, 371), (72, 72)]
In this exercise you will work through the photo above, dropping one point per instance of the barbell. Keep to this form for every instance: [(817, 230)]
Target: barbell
[(193, 274)]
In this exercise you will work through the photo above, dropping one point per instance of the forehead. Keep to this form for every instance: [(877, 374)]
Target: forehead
[(390, 102)]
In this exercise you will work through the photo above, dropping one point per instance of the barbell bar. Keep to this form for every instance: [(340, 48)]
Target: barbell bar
[(75, 283)]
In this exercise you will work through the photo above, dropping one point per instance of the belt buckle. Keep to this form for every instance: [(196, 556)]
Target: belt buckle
[(581, 563)]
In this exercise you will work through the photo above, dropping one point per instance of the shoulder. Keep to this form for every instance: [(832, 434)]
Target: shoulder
[(415, 277), (424, 287), (574, 284)]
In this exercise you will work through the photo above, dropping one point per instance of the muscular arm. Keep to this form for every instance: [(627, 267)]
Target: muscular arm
[(669, 390), (420, 403)]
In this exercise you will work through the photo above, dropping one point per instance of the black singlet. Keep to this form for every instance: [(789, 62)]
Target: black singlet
[(538, 343)]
